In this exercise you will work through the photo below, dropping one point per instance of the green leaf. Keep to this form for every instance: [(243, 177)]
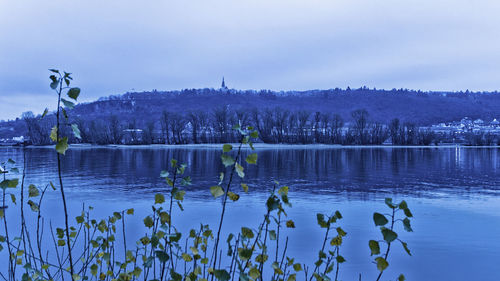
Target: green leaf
[(186, 257), (76, 131), (175, 276), (45, 112), (272, 235), (221, 178), (54, 84), (34, 206), (13, 198), (79, 219), (283, 190), (233, 196), (254, 134), (222, 275), (338, 215), (389, 235), (4, 184), (227, 148), (388, 202), (272, 203), (405, 246), (374, 247), (164, 217), (159, 198), (239, 170), (245, 187), (179, 195), (62, 146), (93, 269), (176, 237), (401, 277), (9, 183), (297, 267), (408, 213), (148, 222), (379, 219), (277, 268), (247, 232), (321, 220), (254, 272), (340, 259), (68, 104), (186, 181), (61, 242), (262, 258), (403, 205), (216, 191), (229, 238), (53, 134), (180, 205), (252, 158), (382, 264), (406, 224), (74, 93), (227, 160), (336, 241), (341, 232), (290, 224), (65, 114), (54, 70), (245, 253), (33, 191)]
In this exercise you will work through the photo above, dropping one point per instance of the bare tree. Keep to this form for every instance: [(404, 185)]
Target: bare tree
[(194, 120), (360, 118), (177, 124), (336, 128), (303, 118), (165, 126), (148, 133), (395, 131), (115, 129), (280, 123), (221, 117)]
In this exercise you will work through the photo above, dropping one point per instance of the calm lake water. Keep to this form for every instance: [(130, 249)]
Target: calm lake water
[(454, 194)]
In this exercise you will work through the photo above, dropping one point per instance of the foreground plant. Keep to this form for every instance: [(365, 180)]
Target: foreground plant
[(387, 223), (97, 248), (61, 82)]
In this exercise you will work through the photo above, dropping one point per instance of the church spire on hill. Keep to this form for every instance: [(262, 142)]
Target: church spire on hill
[(223, 86)]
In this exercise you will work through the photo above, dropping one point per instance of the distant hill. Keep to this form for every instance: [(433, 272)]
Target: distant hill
[(417, 107), (422, 108)]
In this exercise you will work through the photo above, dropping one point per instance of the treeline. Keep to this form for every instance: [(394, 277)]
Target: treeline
[(275, 126)]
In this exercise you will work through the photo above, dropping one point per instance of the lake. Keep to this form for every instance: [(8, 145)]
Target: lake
[(453, 192)]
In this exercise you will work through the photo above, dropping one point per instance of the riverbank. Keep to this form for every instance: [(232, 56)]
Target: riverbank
[(262, 146)]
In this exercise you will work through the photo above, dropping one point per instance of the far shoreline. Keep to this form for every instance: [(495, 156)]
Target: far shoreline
[(260, 146)]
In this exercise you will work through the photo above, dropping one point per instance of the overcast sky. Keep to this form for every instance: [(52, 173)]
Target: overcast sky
[(116, 46)]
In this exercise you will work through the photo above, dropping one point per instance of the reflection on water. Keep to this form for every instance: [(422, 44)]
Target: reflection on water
[(453, 192), (355, 172)]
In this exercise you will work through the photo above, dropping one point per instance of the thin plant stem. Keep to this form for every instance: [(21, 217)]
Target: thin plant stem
[(59, 174)]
